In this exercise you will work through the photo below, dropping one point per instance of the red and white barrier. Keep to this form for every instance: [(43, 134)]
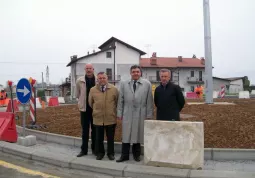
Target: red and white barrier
[(222, 92), (32, 106)]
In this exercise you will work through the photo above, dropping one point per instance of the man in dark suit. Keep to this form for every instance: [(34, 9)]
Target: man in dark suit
[(168, 98)]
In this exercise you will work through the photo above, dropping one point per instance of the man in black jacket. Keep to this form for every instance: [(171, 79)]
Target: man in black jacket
[(168, 98)]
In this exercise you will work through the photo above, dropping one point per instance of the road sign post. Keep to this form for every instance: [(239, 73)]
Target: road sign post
[(23, 93)]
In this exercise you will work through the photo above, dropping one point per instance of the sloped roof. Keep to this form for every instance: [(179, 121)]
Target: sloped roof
[(172, 62), (234, 78), (83, 57), (113, 39)]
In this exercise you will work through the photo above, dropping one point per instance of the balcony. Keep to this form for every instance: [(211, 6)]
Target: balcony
[(195, 80)]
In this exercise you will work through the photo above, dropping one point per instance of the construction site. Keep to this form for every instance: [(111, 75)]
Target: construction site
[(226, 125)]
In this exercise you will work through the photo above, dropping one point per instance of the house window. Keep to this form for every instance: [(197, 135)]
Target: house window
[(191, 73), (200, 76), (109, 73), (108, 54), (192, 88)]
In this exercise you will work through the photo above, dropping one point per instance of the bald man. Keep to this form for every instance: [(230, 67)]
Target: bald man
[(83, 86)]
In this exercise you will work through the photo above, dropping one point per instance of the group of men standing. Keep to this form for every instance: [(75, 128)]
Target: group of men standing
[(101, 104)]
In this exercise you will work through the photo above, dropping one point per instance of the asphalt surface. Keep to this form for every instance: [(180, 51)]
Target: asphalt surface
[(16, 167)]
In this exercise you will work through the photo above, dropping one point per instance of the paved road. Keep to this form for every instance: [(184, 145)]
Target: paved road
[(14, 167)]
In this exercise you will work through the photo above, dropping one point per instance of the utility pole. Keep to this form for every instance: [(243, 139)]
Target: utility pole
[(208, 54), (42, 81)]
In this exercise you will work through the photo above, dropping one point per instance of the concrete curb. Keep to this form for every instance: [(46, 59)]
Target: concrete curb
[(209, 153), (115, 169)]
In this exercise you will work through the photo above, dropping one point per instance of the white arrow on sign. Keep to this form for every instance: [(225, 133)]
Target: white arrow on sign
[(25, 91)]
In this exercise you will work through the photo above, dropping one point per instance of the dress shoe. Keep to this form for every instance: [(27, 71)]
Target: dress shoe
[(100, 157), (137, 158), (111, 157), (123, 158), (81, 154)]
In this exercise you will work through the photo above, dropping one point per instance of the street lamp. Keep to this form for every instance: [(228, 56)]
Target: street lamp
[(208, 54)]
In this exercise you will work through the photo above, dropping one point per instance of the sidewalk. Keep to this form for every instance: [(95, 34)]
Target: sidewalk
[(64, 156), (64, 150)]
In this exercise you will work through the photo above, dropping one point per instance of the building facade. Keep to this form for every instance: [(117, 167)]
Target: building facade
[(115, 58), (186, 72)]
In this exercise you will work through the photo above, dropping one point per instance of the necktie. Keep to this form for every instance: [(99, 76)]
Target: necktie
[(134, 86), (102, 88)]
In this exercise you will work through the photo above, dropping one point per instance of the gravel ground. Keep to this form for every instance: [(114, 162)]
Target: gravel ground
[(226, 126)]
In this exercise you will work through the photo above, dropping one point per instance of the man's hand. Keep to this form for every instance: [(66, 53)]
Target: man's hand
[(119, 118)]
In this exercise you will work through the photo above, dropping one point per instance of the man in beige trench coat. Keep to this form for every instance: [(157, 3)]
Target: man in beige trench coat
[(83, 86), (103, 100), (135, 104)]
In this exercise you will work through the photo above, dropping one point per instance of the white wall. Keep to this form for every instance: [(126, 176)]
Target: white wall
[(125, 55), (217, 83), (236, 86), (98, 58), (183, 74)]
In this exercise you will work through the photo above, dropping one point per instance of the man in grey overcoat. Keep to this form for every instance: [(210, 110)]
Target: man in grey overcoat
[(135, 104)]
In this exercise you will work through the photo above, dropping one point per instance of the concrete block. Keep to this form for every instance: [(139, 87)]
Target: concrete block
[(215, 94), (233, 154), (60, 160), (252, 92), (61, 139), (208, 154), (220, 174), (38, 104), (181, 141), (29, 140), (110, 168), (39, 134), (61, 100), (17, 150), (244, 94), (140, 171)]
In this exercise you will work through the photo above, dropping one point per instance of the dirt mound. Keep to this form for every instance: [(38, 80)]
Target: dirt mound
[(226, 126)]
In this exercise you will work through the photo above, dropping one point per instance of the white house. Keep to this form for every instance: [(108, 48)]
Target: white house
[(115, 58), (186, 72)]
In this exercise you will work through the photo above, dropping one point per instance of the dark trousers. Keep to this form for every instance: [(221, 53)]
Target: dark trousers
[(110, 131), (136, 149), (86, 123)]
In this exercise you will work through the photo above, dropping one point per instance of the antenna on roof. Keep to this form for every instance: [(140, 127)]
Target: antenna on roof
[(148, 49), (93, 47)]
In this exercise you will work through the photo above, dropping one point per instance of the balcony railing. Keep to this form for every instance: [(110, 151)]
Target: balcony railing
[(195, 80)]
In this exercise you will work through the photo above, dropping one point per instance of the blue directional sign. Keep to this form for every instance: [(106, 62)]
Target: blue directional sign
[(23, 91)]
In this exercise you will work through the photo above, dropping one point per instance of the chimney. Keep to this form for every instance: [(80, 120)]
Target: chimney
[(88, 53), (153, 59), (180, 58), (203, 60), (74, 57), (94, 51)]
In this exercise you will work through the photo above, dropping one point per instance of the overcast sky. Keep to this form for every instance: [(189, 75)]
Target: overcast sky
[(37, 33)]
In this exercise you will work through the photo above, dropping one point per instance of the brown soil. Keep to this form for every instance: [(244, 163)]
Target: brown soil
[(226, 126)]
